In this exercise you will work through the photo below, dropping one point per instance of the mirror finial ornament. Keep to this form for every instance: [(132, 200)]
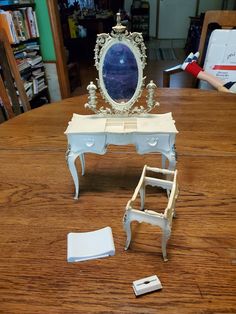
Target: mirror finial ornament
[(120, 58)]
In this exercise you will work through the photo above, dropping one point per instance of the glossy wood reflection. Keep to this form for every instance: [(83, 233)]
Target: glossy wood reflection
[(38, 210)]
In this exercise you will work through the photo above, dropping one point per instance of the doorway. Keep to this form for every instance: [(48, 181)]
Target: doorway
[(75, 25)]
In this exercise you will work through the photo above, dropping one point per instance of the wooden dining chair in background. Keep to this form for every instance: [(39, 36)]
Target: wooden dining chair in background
[(223, 19), (12, 92)]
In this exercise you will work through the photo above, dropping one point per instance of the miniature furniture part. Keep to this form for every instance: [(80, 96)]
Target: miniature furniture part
[(120, 59), (164, 221), (92, 134), (225, 19), (82, 246), (146, 285)]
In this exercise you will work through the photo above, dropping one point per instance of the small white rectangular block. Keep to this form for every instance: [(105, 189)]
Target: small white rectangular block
[(146, 285)]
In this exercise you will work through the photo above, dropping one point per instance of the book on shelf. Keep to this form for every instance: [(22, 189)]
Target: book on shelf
[(9, 2), (34, 60), (32, 46), (38, 84), (37, 72), (20, 24), (38, 65), (6, 23), (18, 21), (22, 64), (32, 22), (41, 74), (29, 89)]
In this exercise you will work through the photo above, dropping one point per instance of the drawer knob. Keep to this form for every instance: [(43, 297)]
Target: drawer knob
[(153, 141), (90, 143)]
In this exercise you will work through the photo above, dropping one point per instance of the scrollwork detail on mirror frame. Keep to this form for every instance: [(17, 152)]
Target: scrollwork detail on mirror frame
[(134, 42)]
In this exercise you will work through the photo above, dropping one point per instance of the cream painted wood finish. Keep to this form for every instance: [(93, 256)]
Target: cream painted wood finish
[(92, 134)]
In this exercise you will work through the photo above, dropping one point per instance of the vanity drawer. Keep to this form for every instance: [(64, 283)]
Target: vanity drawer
[(87, 142), (152, 142)]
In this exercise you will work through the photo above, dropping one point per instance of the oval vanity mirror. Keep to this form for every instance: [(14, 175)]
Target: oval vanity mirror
[(119, 73), (120, 59)]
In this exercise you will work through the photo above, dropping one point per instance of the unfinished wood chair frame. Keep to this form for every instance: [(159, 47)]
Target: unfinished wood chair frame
[(11, 80), (164, 221), (226, 19)]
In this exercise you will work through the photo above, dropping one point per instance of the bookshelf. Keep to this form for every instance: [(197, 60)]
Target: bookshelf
[(140, 19), (20, 24)]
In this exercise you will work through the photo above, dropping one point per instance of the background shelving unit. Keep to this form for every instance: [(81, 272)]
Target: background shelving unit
[(140, 20), (20, 23)]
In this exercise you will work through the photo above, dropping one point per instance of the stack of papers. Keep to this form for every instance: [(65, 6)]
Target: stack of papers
[(90, 245)]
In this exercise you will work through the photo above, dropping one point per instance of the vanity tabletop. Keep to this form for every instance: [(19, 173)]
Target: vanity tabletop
[(148, 123), (37, 212)]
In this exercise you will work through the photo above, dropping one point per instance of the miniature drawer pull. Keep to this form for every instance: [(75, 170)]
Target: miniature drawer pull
[(90, 143), (153, 141)]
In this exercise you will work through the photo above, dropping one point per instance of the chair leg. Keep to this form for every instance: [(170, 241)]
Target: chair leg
[(82, 161), (165, 237), (127, 228), (163, 161)]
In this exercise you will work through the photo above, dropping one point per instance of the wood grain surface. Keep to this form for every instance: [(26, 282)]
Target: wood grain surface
[(37, 211)]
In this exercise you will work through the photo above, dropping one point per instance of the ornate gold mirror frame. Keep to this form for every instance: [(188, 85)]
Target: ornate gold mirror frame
[(121, 79)]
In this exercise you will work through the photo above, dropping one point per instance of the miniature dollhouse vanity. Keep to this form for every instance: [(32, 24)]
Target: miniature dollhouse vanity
[(120, 59)]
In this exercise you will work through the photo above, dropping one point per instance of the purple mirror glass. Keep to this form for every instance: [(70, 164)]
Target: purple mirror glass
[(120, 73)]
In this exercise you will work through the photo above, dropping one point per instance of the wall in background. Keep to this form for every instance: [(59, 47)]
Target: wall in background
[(230, 5), (47, 49), (46, 39), (206, 5), (173, 20), (174, 15)]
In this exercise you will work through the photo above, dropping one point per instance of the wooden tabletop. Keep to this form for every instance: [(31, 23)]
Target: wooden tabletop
[(37, 211)]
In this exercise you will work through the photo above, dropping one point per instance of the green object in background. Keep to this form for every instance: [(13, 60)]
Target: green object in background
[(46, 38)]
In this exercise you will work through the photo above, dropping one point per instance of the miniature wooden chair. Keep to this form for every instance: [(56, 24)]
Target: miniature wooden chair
[(164, 221)]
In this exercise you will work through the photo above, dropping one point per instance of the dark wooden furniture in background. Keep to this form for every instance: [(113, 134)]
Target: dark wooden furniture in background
[(194, 34), (82, 49), (140, 19), (38, 211)]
